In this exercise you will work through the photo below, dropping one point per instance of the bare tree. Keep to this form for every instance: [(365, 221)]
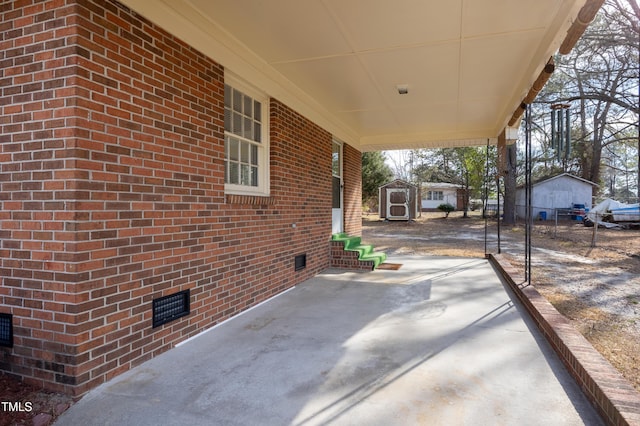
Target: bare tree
[(599, 79)]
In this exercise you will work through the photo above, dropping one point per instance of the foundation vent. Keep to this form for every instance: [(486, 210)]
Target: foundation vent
[(6, 330), (301, 262), (172, 307)]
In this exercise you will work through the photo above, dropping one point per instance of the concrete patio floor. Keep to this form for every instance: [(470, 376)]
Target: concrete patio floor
[(441, 341)]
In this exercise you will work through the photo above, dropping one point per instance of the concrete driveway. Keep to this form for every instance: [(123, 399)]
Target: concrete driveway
[(441, 341)]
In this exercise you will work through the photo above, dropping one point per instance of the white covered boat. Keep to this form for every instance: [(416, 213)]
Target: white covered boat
[(627, 214), (610, 212)]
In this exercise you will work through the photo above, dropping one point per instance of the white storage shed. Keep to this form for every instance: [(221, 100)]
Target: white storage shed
[(562, 193), (398, 200)]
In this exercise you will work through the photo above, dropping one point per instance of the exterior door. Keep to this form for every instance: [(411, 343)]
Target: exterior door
[(397, 204), (336, 172)]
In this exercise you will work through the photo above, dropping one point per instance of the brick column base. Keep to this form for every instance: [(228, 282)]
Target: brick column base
[(343, 259)]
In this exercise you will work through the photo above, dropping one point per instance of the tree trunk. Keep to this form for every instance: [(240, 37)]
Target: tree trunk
[(510, 186), (594, 174), (466, 194)]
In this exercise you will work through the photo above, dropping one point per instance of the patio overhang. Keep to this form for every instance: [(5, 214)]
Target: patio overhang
[(384, 75)]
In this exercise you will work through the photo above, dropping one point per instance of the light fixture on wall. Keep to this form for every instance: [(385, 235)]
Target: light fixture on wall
[(403, 89)]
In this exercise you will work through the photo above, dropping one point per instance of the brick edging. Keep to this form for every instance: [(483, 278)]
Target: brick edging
[(344, 259), (615, 399)]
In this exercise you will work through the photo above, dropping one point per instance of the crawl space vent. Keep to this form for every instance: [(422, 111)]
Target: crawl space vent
[(6, 330), (301, 261), (169, 308)]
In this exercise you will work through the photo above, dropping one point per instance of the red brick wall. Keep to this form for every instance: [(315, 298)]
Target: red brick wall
[(111, 174), (352, 164), (345, 259), (43, 190)]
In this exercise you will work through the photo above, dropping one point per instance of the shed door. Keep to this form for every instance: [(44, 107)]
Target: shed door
[(397, 203)]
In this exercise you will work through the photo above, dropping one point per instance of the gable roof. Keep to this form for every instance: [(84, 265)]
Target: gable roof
[(441, 185), (400, 182), (566, 175)]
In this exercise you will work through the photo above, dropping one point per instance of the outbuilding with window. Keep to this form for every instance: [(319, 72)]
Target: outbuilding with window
[(436, 193)]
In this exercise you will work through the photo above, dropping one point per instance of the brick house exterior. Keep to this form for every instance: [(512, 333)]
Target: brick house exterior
[(112, 193), (352, 190)]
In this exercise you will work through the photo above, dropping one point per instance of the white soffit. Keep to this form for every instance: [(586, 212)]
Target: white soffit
[(467, 64)]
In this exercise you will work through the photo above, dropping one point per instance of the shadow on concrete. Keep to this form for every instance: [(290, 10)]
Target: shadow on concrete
[(439, 341)]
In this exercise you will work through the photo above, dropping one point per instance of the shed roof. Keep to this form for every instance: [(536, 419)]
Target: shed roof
[(565, 175), (399, 182)]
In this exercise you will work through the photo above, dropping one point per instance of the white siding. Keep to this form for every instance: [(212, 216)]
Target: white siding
[(449, 196), (559, 193)]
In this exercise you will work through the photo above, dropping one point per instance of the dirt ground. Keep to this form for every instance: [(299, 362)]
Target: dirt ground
[(597, 288), (29, 405)]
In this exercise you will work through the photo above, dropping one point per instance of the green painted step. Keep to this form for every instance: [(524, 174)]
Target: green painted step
[(365, 251)]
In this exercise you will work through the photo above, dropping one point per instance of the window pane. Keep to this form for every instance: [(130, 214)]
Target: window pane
[(257, 111), (248, 128), (248, 110), (237, 101), (254, 155), (233, 173), (245, 177), (254, 176), (257, 132), (335, 193), (335, 159), (236, 126), (244, 152), (233, 149)]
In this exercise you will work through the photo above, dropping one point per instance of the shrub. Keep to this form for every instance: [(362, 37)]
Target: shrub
[(446, 208)]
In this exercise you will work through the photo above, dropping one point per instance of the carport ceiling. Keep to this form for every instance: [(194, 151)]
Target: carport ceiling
[(467, 64)]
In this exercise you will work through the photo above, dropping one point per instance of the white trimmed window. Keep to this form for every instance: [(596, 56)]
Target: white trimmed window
[(435, 195), (246, 142)]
